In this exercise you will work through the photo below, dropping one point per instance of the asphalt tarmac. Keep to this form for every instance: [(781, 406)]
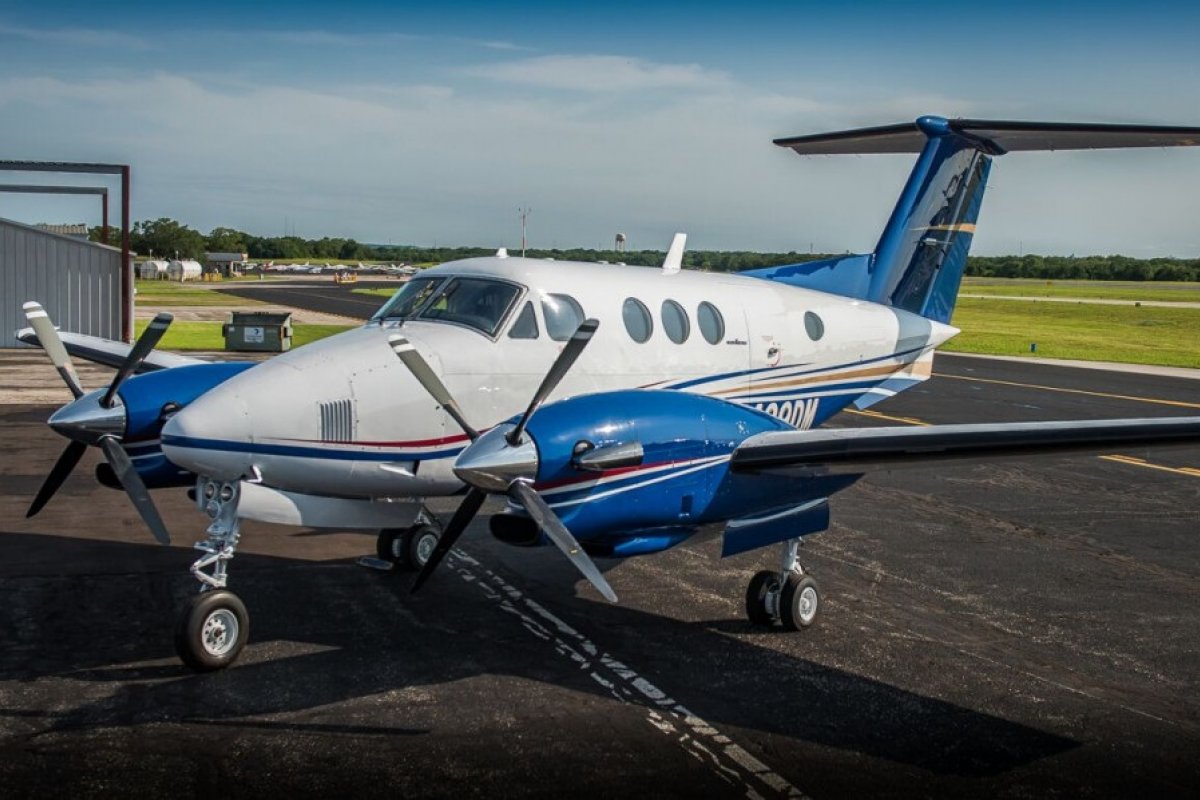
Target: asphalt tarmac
[(1012, 629), (316, 294)]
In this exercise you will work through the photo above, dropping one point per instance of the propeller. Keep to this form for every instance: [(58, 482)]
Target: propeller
[(48, 337), (503, 461), (96, 419)]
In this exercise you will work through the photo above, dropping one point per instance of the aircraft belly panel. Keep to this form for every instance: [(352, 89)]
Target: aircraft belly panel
[(315, 511)]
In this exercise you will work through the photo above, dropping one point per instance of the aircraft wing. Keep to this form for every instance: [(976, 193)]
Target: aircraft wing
[(109, 352), (858, 450)]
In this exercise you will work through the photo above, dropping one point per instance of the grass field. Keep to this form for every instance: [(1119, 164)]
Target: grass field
[(188, 335), (1179, 292), (388, 292), (1131, 334)]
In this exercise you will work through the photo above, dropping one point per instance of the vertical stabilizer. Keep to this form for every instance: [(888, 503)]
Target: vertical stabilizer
[(922, 254)]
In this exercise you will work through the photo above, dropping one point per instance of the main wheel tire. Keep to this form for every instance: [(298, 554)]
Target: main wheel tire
[(761, 585), (392, 545), (420, 544), (799, 602), (212, 629)]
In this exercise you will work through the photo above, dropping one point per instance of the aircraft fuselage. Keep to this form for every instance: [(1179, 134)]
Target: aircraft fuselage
[(342, 417)]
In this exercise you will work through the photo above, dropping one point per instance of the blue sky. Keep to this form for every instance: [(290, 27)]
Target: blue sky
[(432, 124)]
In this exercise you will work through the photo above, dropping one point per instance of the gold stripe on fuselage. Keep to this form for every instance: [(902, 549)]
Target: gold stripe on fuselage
[(804, 380)]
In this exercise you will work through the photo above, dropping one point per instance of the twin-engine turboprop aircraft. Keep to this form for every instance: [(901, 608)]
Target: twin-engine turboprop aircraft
[(666, 399)]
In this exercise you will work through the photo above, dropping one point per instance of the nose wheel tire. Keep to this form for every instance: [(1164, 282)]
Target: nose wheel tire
[(761, 597), (799, 602), (212, 629)]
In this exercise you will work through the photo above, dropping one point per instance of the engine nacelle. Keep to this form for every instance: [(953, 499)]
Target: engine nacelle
[(617, 465), (150, 399)]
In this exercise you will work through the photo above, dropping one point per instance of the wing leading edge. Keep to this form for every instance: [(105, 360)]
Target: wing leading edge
[(110, 353), (857, 450)]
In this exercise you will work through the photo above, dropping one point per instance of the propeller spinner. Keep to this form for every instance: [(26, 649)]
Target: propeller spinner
[(504, 461), (96, 418)]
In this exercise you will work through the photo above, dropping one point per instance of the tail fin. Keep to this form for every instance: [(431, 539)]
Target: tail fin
[(919, 261)]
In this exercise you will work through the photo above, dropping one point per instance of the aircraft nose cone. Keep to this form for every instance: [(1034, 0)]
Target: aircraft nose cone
[(85, 420), (492, 464), (211, 436)]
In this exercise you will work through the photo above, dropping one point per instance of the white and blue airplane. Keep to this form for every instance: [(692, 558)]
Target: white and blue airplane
[(674, 399)]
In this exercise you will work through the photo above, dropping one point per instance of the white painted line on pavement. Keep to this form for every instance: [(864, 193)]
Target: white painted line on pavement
[(728, 760)]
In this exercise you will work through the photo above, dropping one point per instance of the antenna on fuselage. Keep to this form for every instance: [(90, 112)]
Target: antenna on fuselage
[(674, 260)]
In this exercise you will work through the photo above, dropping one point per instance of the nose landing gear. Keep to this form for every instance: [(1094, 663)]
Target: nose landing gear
[(213, 626), (789, 596)]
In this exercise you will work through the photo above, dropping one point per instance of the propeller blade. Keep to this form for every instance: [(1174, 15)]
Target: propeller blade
[(548, 521), (578, 341), (127, 474), (141, 348), (62, 468), (52, 344), (425, 376), (458, 523)]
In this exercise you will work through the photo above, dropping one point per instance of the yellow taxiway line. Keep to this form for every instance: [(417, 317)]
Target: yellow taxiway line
[(1134, 398), (877, 415), (1191, 472), (1130, 461)]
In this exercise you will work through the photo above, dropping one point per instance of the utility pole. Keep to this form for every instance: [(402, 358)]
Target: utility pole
[(524, 212)]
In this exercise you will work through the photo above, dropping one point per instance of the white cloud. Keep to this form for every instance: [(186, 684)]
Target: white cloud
[(77, 37), (601, 73), (425, 162), (321, 38)]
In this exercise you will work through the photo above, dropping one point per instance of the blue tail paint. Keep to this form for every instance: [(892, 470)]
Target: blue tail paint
[(919, 261)]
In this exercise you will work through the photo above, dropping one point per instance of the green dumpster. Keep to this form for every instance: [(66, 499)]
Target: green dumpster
[(260, 331)]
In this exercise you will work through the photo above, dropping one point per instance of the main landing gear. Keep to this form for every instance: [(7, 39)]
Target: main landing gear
[(213, 626), (788, 596), (408, 549)]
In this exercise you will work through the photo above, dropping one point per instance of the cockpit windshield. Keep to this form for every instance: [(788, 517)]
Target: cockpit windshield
[(479, 303), (409, 299)]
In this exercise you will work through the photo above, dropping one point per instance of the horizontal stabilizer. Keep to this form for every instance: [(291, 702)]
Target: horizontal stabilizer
[(994, 137), (110, 353), (856, 450)]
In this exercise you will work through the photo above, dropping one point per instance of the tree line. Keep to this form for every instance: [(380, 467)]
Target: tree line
[(167, 238)]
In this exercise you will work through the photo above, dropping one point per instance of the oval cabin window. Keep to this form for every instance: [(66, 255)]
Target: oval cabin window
[(675, 322), (712, 324), (638, 323)]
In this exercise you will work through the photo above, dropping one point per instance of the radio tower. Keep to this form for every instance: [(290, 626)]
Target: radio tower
[(524, 212)]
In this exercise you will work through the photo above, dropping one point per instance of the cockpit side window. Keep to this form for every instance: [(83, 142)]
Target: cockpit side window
[(411, 298), (479, 303), (563, 315), (526, 326)]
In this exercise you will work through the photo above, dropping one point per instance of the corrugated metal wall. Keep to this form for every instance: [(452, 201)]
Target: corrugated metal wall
[(78, 282)]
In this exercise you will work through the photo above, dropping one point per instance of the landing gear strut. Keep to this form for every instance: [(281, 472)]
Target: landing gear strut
[(409, 548), (213, 626), (789, 596)]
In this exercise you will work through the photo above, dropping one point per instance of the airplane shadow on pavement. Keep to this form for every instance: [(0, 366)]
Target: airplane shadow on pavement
[(95, 647)]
